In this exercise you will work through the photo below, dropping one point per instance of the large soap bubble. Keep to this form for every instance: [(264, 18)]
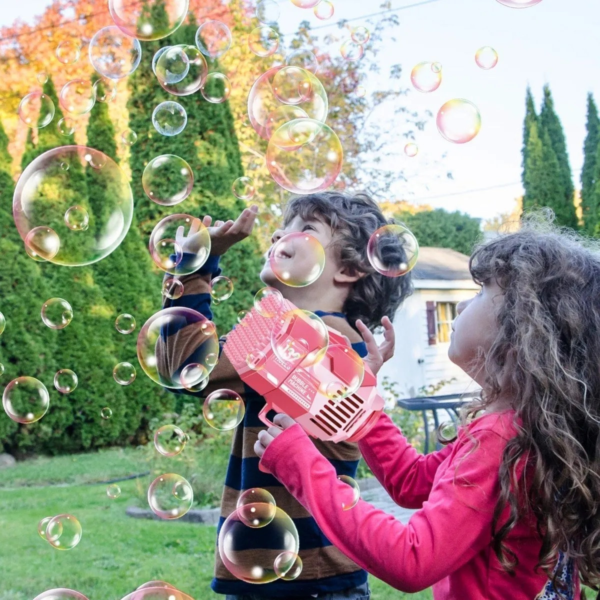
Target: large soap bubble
[(168, 180), (172, 64), (54, 183), (196, 70), (77, 97), (172, 339), (36, 110), (170, 496), (213, 39), (148, 20), (263, 101), (157, 590), (305, 156), (114, 54), (60, 594)]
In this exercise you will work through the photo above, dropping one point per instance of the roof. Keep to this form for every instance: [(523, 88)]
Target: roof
[(441, 263)]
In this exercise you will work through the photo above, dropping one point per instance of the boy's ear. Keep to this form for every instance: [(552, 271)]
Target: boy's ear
[(348, 275)]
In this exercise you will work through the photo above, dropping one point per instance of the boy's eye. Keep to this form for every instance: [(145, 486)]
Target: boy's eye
[(308, 227)]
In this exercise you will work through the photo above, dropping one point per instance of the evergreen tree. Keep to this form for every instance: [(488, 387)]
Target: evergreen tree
[(589, 204), (551, 124), (530, 118)]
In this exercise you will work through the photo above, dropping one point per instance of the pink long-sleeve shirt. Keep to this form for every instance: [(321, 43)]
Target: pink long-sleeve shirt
[(447, 543)]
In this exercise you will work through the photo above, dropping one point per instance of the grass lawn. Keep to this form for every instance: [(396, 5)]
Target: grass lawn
[(116, 553)]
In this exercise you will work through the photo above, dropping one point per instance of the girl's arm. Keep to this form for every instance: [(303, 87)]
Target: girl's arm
[(406, 475), (453, 526)]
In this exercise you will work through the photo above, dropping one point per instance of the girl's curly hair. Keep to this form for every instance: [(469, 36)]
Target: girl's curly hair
[(353, 219), (547, 353)]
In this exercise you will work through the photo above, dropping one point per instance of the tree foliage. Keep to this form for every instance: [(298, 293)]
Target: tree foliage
[(589, 175)]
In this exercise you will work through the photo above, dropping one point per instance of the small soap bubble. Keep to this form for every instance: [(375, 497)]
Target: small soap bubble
[(213, 39), (170, 440), (2, 323), (424, 78), (169, 118), (351, 51), (216, 88), (194, 377), (77, 218), (347, 379), (324, 10), (297, 259), (33, 254), (458, 121), (114, 54), (288, 566), (411, 149), (157, 56), (292, 85), (194, 78), (64, 532), (306, 3), (353, 494), (268, 301), (77, 97), (267, 11), (255, 360), (142, 21), (124, 373), (256, 507), (221, 288), (60, 594), (129, 137), (113, 491), (106, 413), (242, 314), (519, 3), (447, 431), (393, 250), (43, 241), (66, 128), (486, 58), (25, 400), (170, 496), (42, 525), (223, 410), (172, 288), (304, 59), (172, 66), (263, 41), (125, 323), (1, 369), (105, 90), (68, 52), (42, 77), (168, 180), (36, 110), (436, 67), (360, 35), (65, 381), (56, 313), (243, 188)]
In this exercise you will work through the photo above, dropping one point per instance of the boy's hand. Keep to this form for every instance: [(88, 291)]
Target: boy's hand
[(266, 436), (223, 235), (377, 355)]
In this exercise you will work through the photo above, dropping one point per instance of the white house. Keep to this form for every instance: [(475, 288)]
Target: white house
[(422, 325)]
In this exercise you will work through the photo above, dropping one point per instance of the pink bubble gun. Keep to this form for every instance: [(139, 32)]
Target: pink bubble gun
[(301, 388)]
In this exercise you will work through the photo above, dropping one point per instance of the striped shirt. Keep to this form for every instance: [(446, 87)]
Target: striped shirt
[(325, 568)]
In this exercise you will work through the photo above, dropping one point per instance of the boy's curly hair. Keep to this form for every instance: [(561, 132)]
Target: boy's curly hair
[(353, 219), (547, 353)]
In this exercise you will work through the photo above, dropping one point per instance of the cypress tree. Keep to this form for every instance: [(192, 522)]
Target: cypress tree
[(551, 124), (530, 118), (589, 204)]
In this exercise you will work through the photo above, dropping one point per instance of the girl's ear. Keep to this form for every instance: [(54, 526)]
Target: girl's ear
[(348, 275)]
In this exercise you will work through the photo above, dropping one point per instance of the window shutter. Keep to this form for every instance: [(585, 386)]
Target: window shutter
[(431, 333)]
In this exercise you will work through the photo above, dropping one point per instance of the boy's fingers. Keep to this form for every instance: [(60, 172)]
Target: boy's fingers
[(265, 438), (259, 449), (283, 420), (179, 233), (207, 220)]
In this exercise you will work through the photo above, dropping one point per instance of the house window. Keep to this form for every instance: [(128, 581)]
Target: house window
[(444, 315)]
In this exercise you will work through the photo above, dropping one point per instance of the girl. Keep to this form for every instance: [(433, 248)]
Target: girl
[(511, 508)]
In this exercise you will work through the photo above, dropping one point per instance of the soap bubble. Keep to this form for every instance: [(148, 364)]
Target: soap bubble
[(351, 51), (297, 259), (172, 66), (186, 259), (263, 41), (213, 39), (60, 594), (305, 156), (175, 327), (2, 323), (256, 360), (242, 314), (393, 250), (157, 590), (113, 491), (66, 127), (1, 369), (216, 88), (56, 313), (157, 583), (196, 74), (267, 11), (105, 90), (519, 3), (221, 288), (424, 78), (42, 525), (148, 20), (262, 101), (436, 67), (68, 52), (243, 188), (65, 381), (46, 190), (236, 539), (411, 149), (77, 218), (447, 431), (458, 121), (124, 373), (170, 440), (304, 59), (106, 413), (125, 323), (170, 496), (64, 532), (292, 85), (36, 110), (282, 115), (169, 118), (486, 58), (288, 566), (305, 3), (25, 400), (114, 54), (157, 56), (268, 301), (129, 137), (256, 507), (223, 410), (168, 180), (194, 377), (42, 77), (360, 35), (300, 335), (172, 288), (324, 10), (352, 495)]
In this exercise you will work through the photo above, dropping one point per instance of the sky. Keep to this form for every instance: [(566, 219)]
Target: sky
[(554, 42)]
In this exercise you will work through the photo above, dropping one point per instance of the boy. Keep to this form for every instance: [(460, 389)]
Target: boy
[(347, 290)]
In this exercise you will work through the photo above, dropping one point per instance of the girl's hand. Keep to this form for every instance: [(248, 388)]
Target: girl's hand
[(377, 355), (266, 436), (223, 235)]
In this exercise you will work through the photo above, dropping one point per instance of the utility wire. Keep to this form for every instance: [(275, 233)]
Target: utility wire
[(486, 189)]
